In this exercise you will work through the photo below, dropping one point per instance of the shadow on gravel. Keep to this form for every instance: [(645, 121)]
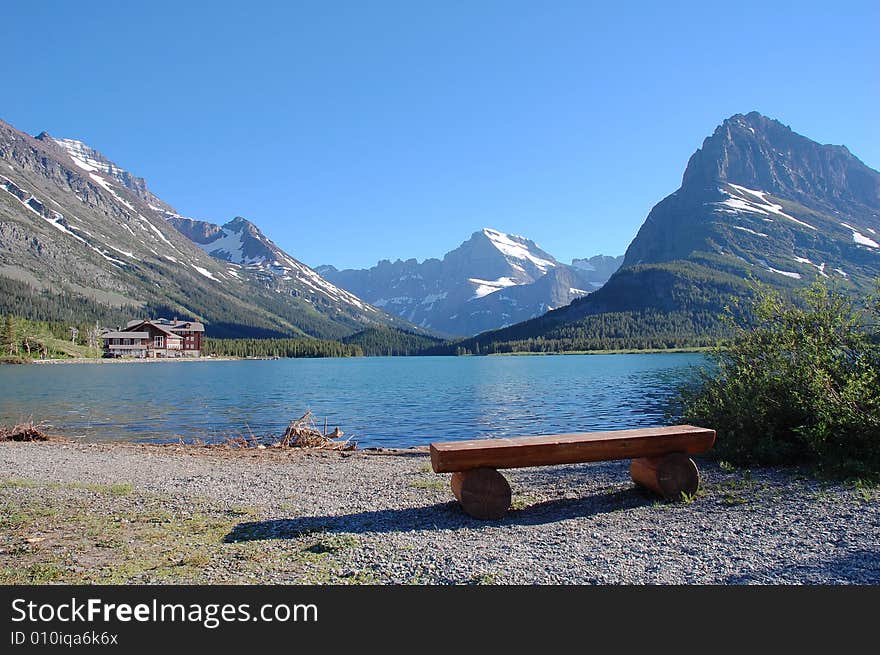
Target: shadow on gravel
[(441, 516), (853, 567)]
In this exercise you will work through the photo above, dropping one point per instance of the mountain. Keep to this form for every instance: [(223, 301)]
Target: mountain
[(490, 280), (756, 200), (82, 239), (90, 160), (239, 241), (597, 269)]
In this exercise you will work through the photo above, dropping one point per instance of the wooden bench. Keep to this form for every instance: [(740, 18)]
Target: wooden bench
[(660, 461)]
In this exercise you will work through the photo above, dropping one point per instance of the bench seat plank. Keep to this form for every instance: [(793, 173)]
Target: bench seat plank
[(452, 456)]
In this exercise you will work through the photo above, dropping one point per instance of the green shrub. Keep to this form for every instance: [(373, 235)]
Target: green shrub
[(797, 383)]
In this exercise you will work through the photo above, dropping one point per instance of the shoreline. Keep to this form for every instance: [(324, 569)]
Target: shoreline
[(226, 358), (146, 513), (622, 351), (136, 360)]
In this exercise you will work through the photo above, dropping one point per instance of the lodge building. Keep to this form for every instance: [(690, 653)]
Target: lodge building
[(159, 337)]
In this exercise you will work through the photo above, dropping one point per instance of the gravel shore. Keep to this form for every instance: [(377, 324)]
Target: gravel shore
[(133, 513)]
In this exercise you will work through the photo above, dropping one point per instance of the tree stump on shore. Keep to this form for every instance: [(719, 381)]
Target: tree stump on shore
[(483, 493), (667, 476)]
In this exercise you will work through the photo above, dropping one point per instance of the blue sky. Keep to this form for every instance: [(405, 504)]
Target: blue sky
[(356, 131)]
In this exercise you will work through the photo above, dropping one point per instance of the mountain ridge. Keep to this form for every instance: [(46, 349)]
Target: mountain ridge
[(76, 229), (491, 279)]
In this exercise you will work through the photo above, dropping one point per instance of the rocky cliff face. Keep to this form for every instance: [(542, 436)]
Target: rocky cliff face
[(760, 195), (90, 160), (757, 152)]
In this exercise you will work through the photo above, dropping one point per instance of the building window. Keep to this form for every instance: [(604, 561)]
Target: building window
[(159, 342)]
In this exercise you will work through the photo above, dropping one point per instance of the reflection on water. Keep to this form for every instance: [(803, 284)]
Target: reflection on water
[(381, 401)]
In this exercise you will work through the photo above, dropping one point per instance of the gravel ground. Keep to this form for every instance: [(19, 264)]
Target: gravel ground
[(145, 514)]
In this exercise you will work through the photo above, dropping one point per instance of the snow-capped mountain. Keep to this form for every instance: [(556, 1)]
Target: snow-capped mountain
[(757, 200), (241, 242), (758, 195), (491, 280), (599, 268), (92, 161), (81, 238)]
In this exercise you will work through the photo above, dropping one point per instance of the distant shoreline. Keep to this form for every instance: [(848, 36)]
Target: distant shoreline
[(225, 358), (135, 360), (622, 351)]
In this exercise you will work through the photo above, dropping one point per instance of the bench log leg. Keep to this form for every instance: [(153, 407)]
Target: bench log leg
[(667, 476), (483, 493)]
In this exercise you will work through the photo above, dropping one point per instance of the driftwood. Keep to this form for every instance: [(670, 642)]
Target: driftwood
[(27, 431), (302, 433)]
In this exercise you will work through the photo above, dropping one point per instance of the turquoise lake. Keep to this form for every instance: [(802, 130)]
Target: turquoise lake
[(381, 401)]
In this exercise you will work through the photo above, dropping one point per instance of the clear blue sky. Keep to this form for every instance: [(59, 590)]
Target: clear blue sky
[(355, 131)]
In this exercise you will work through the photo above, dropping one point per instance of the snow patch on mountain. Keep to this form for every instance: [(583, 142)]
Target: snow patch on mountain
[(743, 200), (750, 231), (121, 251), (82, 156), (229, 246), (819, 267), (205, 272), (517, 247), (54, 218), (106, 186), (791, 274), (485, 287), (860, 238)]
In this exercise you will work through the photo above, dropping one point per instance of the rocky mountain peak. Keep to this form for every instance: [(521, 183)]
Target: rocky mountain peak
[(761, 153), (200, 232), (495, 254), (90, 160)]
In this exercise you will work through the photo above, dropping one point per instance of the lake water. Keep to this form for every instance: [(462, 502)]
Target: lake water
[(382, 401)]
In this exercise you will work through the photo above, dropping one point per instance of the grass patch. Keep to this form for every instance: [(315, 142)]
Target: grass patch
[(18, 482), (437, 484), (127, 536), (124, 539), (44, 573), (116, 489), (866, 490), (333, 544), (521, 501), (120, 489)]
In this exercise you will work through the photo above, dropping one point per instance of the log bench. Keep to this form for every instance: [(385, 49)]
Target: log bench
[(660, 461)]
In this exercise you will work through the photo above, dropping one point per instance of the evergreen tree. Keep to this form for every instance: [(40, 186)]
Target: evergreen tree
[(9, 345)]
